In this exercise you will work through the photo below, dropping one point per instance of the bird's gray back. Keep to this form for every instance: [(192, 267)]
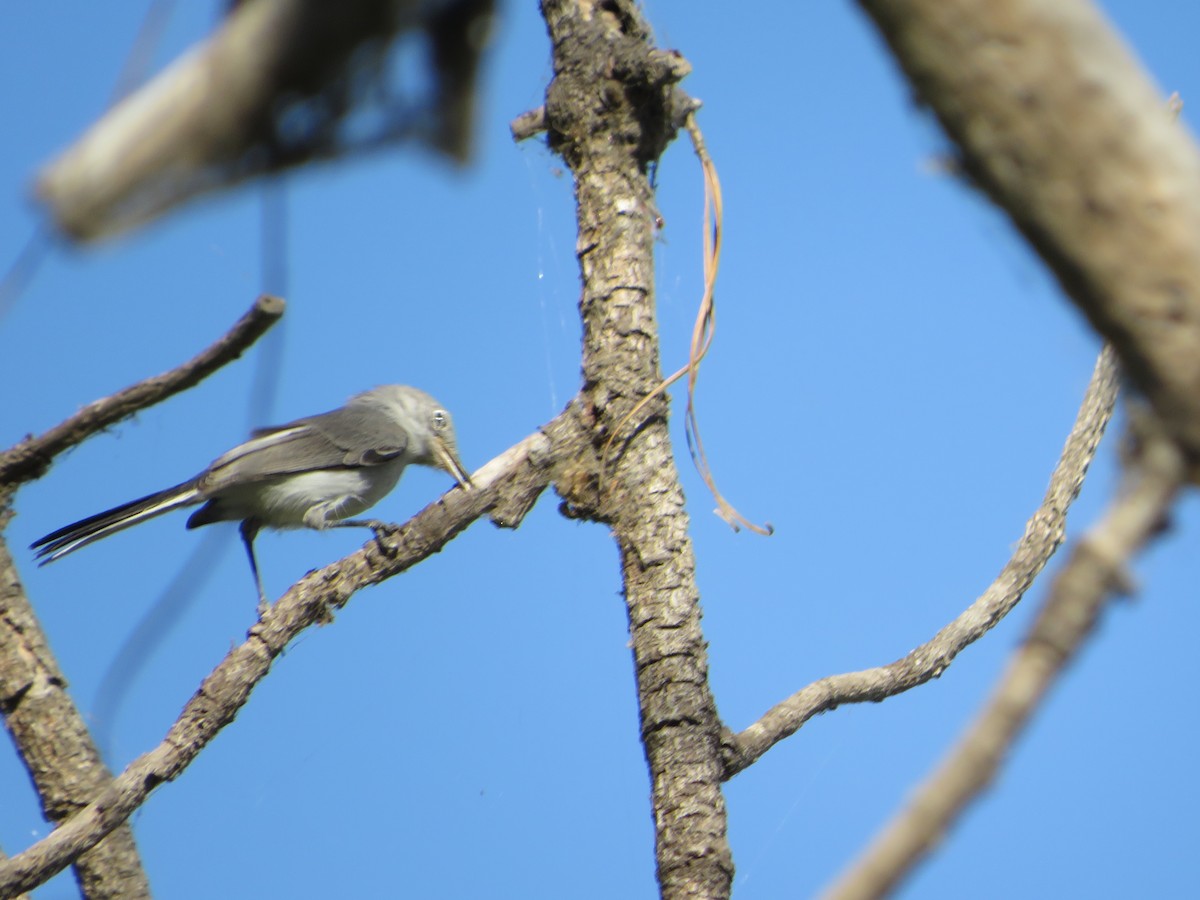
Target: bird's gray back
[(349, 437)]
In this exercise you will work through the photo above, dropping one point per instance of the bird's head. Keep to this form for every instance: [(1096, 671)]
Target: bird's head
[(431, 440)]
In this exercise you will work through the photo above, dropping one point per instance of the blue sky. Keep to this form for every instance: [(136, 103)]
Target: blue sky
[(892, 381)]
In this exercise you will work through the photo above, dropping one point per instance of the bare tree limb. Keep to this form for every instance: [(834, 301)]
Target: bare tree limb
[(609, 113), (31, 457), (1092, 576), (502, 487), (1062, 128), (54, 742), (1044, 533), (269, 89)]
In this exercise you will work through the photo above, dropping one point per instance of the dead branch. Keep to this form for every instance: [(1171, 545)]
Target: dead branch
[(48, 731), (268, 90), (610, 113), (1094, 574), (1044, 533), (31, 457)]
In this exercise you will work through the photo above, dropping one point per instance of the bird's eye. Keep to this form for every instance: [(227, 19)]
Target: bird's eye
[(440, 419)]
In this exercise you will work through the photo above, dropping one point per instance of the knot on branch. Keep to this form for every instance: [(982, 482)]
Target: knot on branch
[(612, 91)]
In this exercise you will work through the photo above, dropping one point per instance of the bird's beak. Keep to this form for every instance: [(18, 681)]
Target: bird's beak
[(448, 459)]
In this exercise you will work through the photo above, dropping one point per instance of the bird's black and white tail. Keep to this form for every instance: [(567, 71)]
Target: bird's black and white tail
[(79, 534)]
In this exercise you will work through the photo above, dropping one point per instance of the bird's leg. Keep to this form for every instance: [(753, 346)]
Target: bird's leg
[(249, 530)]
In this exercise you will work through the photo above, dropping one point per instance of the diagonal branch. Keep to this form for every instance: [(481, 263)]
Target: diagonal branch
[(1043, 535), (1093, 575), (504, 488), (32, 457)]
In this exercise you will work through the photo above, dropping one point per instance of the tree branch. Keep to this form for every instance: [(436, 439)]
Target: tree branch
[(1057, 122), (503, 487), (609, 113), (1094, 574), (53, 741), (32, 457), (1044, 534)]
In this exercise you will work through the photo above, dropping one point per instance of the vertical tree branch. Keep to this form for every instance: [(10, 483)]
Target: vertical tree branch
[(609, 115)]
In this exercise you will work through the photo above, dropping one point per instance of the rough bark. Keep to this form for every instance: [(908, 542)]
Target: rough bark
[(55, 745), (609, 112)]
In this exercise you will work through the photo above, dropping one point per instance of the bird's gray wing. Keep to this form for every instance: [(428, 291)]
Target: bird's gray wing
[(344, 438)]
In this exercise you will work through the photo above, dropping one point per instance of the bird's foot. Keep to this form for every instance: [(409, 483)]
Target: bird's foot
[(382, 530)]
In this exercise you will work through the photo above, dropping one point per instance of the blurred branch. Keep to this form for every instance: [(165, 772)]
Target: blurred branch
[(1057, 122), (31, 457), (1094, 574), (502, 488), (270, 89), (1044, 533)]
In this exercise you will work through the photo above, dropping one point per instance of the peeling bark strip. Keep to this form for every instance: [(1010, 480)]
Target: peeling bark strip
[(1056, 120), (609, 114)]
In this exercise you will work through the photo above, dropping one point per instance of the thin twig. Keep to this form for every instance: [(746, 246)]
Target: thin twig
[(1094, 574), (31, 457), (1043, 535)]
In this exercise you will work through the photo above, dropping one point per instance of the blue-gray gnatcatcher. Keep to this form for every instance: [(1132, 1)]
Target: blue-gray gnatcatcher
[(313, 473)]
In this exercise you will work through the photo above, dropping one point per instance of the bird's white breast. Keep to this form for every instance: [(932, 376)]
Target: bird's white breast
[(316, 498)]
